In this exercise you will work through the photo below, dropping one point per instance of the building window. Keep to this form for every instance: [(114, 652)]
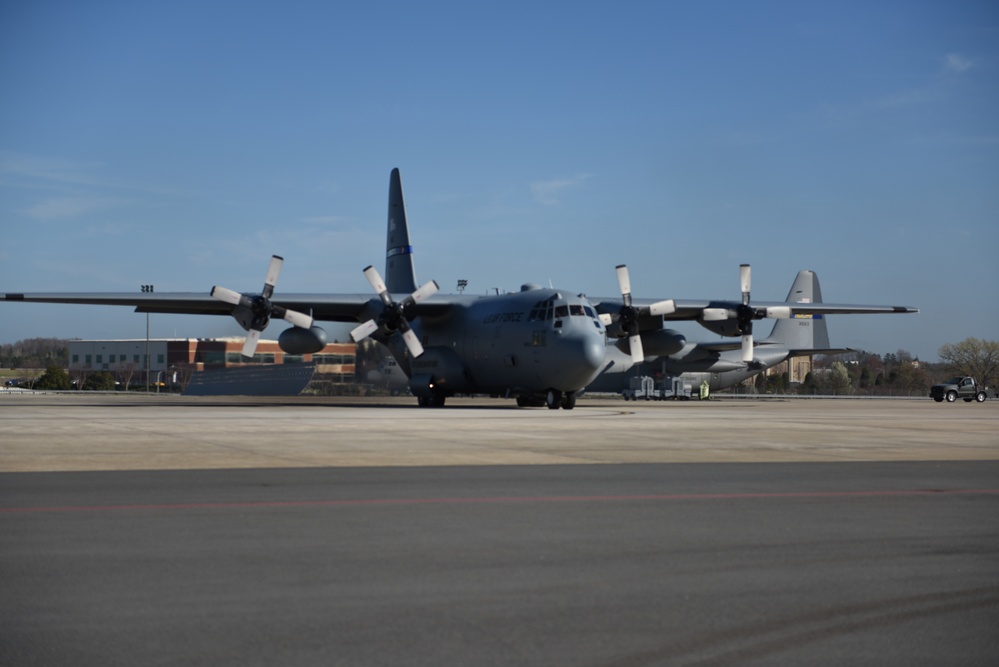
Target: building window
[(100, 358), (135, 358), (87, 359), (159, 358), (76, 358)]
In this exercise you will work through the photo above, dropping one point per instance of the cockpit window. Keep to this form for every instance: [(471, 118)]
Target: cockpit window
[(576, 310), (562, 311), (542, 311)]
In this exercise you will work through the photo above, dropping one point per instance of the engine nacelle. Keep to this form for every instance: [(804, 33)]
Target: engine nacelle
[(729, 328), (663, 343), (297, 340)]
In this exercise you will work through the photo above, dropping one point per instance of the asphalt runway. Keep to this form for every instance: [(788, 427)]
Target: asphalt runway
[(780, 533)]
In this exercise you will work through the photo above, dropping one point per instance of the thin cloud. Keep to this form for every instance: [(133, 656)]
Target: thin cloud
[(52, 169), (547, 192), (958, 64), (72, 207), (327, 220), (40, 171)]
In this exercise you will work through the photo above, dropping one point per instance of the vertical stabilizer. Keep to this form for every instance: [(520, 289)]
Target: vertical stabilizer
[(400, 275), (802, 332)]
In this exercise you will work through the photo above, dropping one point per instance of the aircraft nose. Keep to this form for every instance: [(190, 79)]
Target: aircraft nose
[(585, 356), (593, 353)]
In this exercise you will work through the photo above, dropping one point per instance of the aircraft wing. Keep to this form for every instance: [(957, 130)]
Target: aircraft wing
[(178, 302), (691, 309), (323, 307), (829, 308)]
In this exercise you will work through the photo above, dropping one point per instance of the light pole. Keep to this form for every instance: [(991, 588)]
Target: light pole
[(147, 289)]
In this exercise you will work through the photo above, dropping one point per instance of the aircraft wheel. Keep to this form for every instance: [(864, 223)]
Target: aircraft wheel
[(553, 399), (433, 401), (980, 397), (569, 401), (951, 396)]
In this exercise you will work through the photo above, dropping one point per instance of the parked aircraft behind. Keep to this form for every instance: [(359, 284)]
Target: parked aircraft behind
[(539, 345)]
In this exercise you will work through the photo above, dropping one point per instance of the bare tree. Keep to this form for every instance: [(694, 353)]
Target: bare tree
[(126, 372), (974, 357)]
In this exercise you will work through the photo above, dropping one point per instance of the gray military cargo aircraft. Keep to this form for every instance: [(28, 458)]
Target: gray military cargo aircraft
[(539, 345)]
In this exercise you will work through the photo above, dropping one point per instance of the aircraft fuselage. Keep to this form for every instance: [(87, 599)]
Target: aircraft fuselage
[(517, 344)]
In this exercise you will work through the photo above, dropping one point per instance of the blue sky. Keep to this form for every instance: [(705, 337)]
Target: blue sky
[(183, 143)]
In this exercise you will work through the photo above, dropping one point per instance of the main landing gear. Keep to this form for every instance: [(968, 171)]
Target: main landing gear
[(434, 400), (554, 399)]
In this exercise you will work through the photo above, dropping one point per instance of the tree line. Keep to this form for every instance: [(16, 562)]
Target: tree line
[(35, 353), (892, 374)]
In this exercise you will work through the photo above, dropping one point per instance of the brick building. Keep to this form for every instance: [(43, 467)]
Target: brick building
[(336, 360)]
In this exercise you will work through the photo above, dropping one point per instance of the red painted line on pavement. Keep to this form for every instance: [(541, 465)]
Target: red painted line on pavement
[(360, 502)]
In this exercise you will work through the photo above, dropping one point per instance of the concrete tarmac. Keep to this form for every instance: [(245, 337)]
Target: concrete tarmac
[(134, 432), (237, 532)]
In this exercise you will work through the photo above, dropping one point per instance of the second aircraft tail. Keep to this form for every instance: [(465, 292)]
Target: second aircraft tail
[(803, 333)]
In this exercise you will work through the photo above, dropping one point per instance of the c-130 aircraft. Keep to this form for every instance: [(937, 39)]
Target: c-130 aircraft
[(540, 346)]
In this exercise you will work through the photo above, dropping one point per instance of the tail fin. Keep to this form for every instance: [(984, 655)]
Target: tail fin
[(400, 274), (805, 333)]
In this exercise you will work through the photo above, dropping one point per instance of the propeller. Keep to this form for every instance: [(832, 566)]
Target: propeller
[(744, 313), (261, 307), (629, 314), (393, 318)]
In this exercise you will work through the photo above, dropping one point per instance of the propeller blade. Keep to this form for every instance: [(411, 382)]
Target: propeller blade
[(412, 342), (360, 333), (226, 295), (747, 348), (624, 282), (273, 271), (663, 307), (375, 278), (298, 319), (779, 312), (637, 352), (746, 281), (427, 290), (250, 346)]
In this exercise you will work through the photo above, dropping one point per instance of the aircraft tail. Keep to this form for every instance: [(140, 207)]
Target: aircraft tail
[(400, 274), (803, 333)]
